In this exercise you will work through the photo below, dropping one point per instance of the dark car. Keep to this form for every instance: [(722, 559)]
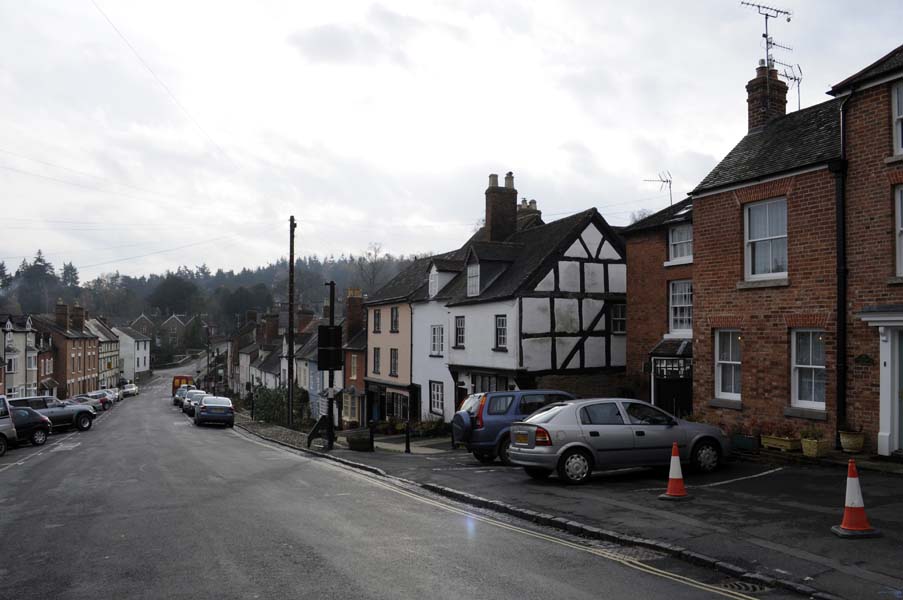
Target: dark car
[(484, 420), (31, 425), (61, 414), (214, 409)]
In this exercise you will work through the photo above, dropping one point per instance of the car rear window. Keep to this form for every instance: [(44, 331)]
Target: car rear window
[(471, 403), (217, 401), (499, 405), (544, 416)]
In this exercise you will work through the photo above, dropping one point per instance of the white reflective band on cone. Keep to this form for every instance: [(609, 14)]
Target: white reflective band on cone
[(675, 473), (854, 493)]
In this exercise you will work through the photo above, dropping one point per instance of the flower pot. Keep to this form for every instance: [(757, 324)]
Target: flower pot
[(780, 443), (852, 441), (816, 448), (748, 443)]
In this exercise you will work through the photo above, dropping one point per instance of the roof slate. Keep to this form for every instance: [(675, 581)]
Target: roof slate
[(676, 348), (886, 65), (800, 139), (357, 341), (682, 212), (135, 335)]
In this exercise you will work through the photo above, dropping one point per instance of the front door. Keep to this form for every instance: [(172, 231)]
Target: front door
[(673, 385)]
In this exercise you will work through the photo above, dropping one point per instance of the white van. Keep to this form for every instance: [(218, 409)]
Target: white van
[(7, 429)]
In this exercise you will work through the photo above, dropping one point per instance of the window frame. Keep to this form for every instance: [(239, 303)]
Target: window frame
[(377, 320), (795, 371), (618, 318), (393, 319), (460, 325), (718, 362), (12, 361), (501, 341), (896, 117), (747, 242), (437, 398), (473, 280), (376, 360), (898, 212), (673, 259), (437, 340), (679, 331), (353, 366), (393, 362)]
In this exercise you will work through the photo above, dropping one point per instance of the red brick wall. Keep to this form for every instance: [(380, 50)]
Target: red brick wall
[(647, 300), (764, 316), (871, 244)]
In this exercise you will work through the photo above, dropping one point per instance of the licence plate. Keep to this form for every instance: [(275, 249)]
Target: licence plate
[(216, 410), (520, 437)]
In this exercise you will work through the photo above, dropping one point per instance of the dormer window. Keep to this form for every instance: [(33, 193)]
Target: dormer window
[(473, 280), (434, 282), (680, 244)]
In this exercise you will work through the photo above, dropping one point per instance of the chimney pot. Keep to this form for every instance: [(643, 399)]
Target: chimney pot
[(501, 209), (509, 181), (533, 204), (493, 180)]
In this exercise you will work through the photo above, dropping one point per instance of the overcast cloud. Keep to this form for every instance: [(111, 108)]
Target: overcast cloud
[(371, 121)]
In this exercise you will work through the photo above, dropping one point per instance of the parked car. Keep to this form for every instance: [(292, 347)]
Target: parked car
[(61, 414), (578, 437), (190, 400), (180, 394), (110, 394), (129, 389), (30, 425), (117, 395), (214, 409), (98, 400), (484, 420), (7, 427)]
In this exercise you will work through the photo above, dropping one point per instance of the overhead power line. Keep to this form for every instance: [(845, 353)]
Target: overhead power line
[(137, 256)]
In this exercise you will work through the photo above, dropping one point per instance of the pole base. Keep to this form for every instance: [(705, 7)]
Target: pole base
[(852, 533), (673, 498)]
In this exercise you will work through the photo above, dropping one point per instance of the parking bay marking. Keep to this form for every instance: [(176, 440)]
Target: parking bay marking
[(717, 483)]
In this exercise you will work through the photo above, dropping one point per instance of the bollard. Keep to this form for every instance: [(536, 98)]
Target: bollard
[(252, 407), (407, 437), (372, 429)]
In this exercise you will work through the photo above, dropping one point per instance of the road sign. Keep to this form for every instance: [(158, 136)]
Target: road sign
[(329, 348)]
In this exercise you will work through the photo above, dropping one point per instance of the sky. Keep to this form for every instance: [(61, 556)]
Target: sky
[(140, 136)]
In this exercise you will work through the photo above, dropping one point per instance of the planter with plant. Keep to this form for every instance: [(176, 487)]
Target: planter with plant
[(814, 443), (781, 437), (851, 438), (745, 435)]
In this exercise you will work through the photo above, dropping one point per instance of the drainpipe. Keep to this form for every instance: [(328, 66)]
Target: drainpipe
[(839, 169)]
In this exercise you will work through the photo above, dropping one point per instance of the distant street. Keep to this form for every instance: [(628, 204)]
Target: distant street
[(146, 505)]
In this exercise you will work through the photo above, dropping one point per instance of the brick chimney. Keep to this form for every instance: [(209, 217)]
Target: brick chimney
[(501, 208), (78, 317), (303, 318), (251, 316), (354, 312), (272, 327), (62, 314), (766, 97)]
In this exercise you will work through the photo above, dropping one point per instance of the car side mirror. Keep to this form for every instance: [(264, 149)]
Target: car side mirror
[(672, 422)]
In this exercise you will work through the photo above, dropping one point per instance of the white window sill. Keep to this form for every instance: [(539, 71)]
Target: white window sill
[(893, 159), (679, 335), (686, 260)]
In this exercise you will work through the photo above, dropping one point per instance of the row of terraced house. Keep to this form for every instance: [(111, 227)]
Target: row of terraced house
[(67, 353), (771, 296)]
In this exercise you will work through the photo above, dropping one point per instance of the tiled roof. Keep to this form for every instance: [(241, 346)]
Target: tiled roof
[(135, 335), (404, 284), (496, 251), (446, 264), (884, 66), (248, 349), (682, 212), (800, 139), (272, 363), (357, 342), (49, 322), (19, 321), (101, 331), (675, 348)]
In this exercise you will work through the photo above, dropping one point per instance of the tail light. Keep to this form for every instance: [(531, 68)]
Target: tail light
[(542, 437), (480, 412)]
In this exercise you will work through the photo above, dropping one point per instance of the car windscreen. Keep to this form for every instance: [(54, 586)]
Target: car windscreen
[(546, 414)]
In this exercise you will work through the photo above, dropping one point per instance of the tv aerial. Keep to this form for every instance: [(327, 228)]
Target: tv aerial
[(792, 74), (665, 179)]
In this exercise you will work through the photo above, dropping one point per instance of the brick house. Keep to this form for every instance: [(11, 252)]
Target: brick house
[(660, 323), (47, 385), (77, 349), (355, 357), (798, 257), (108, 358)]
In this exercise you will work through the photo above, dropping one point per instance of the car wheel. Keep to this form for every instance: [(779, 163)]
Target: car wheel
[(230, 424), (38, 437), (197, 423), (484, 457), (706, 456), (503, 448), (575, 467), (2, 445), (83, 422), (537, 473)]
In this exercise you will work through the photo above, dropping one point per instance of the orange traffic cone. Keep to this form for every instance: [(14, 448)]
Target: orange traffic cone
[(855, 524), (676, 489)]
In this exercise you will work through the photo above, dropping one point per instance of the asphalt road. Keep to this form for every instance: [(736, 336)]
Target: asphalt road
[(146, 505)]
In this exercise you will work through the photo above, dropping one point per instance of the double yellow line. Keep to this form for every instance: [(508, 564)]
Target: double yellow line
[(610, 555)]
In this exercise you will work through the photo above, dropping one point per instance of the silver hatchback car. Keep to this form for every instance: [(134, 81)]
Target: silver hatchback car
[(578, 437)]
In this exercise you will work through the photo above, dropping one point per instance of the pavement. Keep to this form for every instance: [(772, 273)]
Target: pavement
[(772, 519), (146, 505)]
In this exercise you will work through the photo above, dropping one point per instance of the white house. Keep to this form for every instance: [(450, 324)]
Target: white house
[(21, 355), (134, 353)]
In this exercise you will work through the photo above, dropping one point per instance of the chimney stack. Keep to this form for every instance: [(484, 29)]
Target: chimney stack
[(302, 319), (766, 96), (354, 312), (62, 314), (501, 208), (78, 317)]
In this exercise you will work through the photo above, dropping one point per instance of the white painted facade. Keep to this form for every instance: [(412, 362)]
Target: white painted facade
[(134, 355), (478, 354), (430, 369)]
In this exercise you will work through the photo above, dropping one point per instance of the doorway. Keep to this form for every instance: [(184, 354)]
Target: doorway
[(672, 385)]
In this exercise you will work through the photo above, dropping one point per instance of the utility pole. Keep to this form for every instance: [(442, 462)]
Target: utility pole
[(291, 319), (330, 439)]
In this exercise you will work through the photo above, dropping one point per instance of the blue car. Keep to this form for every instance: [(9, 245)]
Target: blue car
[(214, 409), (482, 424)]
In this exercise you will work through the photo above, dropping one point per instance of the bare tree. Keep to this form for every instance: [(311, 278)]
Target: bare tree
[(639, 214), (370, 266)]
